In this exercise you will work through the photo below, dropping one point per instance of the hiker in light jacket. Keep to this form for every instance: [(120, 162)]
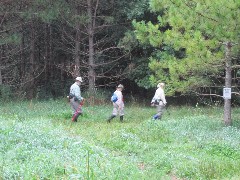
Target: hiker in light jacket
[(118, 106), (75, 98), (159, 101)]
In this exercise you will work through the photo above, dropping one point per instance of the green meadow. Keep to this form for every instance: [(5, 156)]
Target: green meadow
[(39, 141)]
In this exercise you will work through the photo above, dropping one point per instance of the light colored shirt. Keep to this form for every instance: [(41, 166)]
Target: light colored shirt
[(119, 102), (75, 90), (159, 95)]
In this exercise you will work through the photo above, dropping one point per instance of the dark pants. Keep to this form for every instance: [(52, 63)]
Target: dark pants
[(77, 109)]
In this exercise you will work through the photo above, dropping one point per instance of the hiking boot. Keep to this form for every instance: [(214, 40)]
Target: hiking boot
[(121, 118), (156, 117), (110, 118), (74, 118)]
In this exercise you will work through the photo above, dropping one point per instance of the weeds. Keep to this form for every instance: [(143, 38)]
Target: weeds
[(39, 141)]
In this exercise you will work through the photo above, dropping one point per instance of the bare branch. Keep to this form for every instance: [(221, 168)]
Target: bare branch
[(110, 49), (110, 25), (235, 66), (3, 19), (14, 27), (208, 95), (237, 93), (102, 64)]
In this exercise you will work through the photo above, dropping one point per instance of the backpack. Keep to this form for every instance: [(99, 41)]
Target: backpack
[(114, 98)]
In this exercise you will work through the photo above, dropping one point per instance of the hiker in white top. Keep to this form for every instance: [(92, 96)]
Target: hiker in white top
[(118, 106), (75, 99), (159, 100)]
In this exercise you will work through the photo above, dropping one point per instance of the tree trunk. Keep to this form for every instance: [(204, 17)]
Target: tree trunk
[(77, 50), (91, 70), (32, 57), (1, 82), (228, 83), (46, 55), (1, 55), (22, 59)]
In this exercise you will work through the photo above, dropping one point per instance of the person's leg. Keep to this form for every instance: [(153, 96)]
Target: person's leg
[(121, 113), (76, 117), (110, 118), (121, 118), (114, 113), (77, 110), (72, 103), (160, 109)]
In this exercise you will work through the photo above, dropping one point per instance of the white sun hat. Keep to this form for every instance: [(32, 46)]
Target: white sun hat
[(120, 86), (79, 79)]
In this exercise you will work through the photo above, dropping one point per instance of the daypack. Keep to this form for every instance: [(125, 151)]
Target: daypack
[(114, 98)]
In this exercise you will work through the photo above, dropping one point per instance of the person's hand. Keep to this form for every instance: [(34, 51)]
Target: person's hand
[(68, 99)]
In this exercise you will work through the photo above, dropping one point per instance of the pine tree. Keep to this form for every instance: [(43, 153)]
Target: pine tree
[(190, 37)]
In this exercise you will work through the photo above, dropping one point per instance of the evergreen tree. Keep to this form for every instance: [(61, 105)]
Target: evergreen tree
[(190, 38)]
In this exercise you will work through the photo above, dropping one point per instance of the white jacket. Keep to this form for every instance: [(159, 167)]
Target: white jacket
[(159, 96)]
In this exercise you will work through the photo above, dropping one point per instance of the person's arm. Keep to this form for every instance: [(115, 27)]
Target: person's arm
[(155, 97)]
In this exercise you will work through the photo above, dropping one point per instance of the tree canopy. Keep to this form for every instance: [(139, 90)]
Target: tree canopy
[(44, 45), (188, 39)]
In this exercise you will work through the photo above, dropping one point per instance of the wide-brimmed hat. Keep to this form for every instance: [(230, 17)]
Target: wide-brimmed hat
[(79, 79), (120, 86)]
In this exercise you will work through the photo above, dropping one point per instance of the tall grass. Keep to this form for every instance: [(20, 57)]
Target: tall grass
[(39, 141)]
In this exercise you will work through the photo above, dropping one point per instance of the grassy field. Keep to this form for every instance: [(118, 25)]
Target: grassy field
[(39, 141)]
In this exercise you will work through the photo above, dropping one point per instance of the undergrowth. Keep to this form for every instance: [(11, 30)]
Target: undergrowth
[(39, 141)]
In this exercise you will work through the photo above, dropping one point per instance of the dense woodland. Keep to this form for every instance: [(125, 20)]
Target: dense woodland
[(192, 46)]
